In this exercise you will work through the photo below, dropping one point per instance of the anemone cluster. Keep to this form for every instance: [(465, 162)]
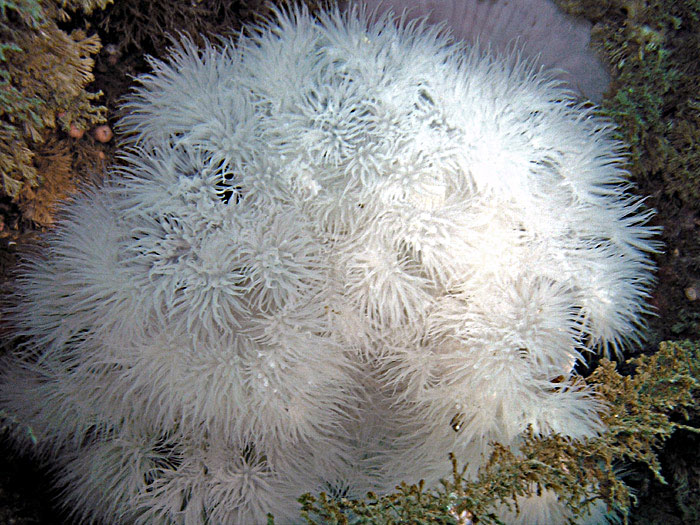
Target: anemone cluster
[(334, 251)]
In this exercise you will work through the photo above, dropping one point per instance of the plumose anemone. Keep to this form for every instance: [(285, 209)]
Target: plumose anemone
[(335, 251), (537, 28)]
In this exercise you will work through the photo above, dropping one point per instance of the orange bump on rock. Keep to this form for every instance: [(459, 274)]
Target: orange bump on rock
[(76, 132), (103, 133)]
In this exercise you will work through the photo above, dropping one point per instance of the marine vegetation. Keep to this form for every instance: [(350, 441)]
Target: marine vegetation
[(44, 71)]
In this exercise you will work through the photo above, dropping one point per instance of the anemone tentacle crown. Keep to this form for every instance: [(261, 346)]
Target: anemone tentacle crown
[(335, 250)]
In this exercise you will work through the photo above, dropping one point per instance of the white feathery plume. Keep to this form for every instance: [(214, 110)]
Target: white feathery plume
[(336, 250), (537, 27)]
